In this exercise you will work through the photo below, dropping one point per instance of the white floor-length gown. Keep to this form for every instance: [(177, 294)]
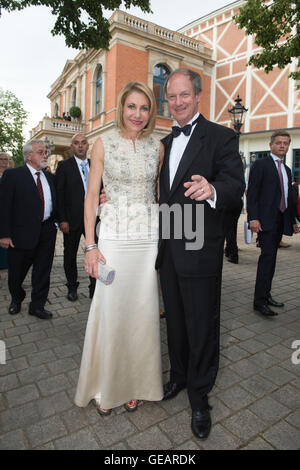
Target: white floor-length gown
[(121, 357)]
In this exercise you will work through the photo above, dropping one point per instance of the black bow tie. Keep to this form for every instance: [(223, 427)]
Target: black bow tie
[(176, 130)]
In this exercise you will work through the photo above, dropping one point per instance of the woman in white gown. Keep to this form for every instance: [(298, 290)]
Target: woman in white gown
[(121, 360)]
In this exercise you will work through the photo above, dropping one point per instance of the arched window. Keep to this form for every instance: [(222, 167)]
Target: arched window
[(161, 73), (98, 91), (74, 97)]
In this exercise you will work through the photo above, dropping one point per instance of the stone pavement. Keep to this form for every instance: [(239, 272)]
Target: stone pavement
[(256, 400)]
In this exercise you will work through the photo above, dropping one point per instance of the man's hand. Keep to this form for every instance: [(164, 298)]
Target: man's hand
[(64, 227), (255, 226), (6, 243), (296, 228), (103, 198), (199, 188)]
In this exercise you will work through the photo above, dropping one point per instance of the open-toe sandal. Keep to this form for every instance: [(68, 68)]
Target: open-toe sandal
[(131, 405), (101, 411)]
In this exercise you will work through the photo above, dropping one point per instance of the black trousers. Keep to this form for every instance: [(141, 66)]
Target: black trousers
[(71, 245), (192, 307), (231, 248), (41, 259), (268, 243)]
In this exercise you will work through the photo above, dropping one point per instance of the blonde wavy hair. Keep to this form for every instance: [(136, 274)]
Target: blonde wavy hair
[(140, 87)]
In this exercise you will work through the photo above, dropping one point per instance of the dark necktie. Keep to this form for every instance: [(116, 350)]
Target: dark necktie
[(282, 205), (41, 192), (176, 130)]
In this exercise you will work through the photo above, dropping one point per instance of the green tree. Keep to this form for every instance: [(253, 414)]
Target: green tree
[(80, 21), (276, 28), (13, 118)]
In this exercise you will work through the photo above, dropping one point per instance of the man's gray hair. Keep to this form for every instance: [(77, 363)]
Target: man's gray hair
[(28, 147), (193, 76)]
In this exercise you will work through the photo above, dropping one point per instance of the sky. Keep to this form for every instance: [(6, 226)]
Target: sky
[(31, 59)]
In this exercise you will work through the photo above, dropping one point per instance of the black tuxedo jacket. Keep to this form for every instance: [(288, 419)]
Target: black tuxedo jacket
[(212, 152), (264, 194), (21, 207), (70, 193)]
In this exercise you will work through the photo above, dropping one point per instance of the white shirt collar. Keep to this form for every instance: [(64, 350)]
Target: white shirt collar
[(275, 158), (192, 120), (33, 170), (79, 161)]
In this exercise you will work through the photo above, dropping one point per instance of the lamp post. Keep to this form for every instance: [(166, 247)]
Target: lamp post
[(50, 147), (238, 113), (252, 158)]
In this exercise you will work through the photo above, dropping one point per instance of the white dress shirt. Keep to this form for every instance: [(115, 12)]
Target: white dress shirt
[(177, 150), (78, 161), (284, 177), (46, 191)]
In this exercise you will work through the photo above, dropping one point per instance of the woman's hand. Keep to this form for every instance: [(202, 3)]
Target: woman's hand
[(91, 261)]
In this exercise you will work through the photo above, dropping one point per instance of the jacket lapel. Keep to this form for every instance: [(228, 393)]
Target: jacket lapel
[(274, 169), (31, 181), (76, 172), (192, 150), (165, 171)]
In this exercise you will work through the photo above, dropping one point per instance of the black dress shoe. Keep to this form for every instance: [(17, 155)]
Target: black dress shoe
[(171, 389), (273, 302), (72, 295), (14, 308), (265, 310), (233, 259), (201, 423), (40, 313)]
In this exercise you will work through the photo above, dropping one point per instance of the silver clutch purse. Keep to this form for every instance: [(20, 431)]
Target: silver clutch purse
[(106, 274)]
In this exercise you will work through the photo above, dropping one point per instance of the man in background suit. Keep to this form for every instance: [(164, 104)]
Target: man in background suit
[(201, 167), (270, 214), (71, 187), (28, 228), (231, 248)]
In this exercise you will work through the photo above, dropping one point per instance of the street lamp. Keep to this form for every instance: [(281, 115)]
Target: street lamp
[(238, 113), (50, 147), (243, 158)]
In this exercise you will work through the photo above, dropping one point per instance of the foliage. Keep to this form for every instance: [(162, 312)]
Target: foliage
[(80, 21), (13, 118), (75, 112), (276, 27)]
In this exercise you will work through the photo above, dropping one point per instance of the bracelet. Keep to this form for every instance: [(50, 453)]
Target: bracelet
[(90, 247)]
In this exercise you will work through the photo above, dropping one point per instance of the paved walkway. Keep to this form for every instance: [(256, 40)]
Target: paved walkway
[(256, 400)]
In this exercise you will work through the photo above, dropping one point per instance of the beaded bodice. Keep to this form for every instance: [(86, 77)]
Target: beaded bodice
[(129, 179)]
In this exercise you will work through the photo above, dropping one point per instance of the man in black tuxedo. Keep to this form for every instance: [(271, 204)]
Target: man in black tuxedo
[(71, 187), (28, 228), (270, 214), (202, 174)]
